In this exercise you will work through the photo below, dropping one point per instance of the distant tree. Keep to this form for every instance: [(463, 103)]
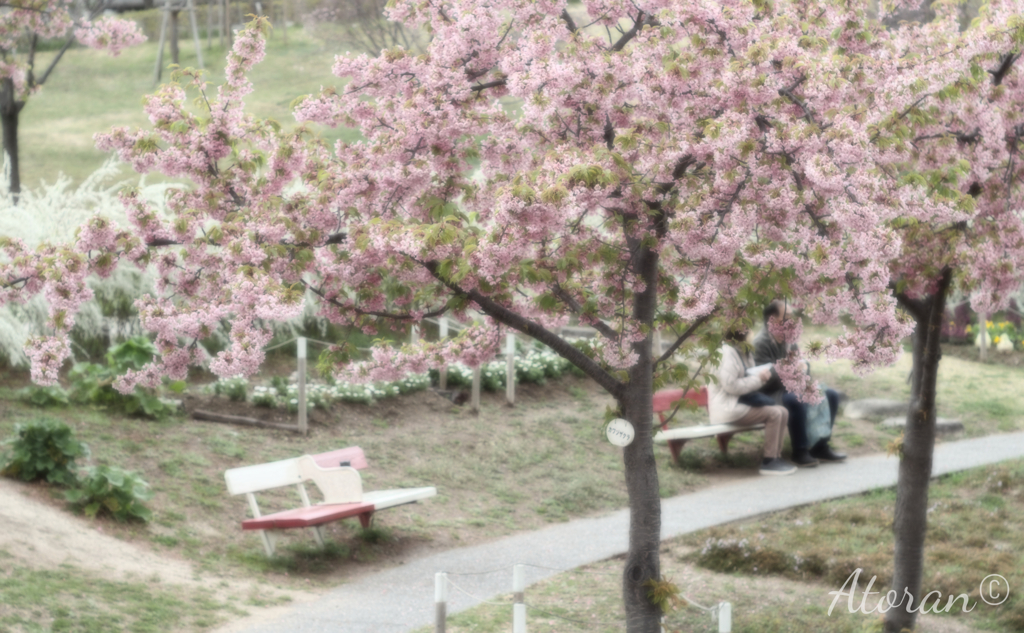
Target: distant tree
[(23, 23), (661, 164), (361, 26)]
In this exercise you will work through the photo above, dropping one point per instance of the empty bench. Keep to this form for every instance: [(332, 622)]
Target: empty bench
[(665, 401), (335, 474)]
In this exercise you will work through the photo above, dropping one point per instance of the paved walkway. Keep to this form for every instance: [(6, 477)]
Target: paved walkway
[(402, 599)]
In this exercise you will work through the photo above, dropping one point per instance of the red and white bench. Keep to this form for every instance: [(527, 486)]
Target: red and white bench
[(665, 401), (336, 475)]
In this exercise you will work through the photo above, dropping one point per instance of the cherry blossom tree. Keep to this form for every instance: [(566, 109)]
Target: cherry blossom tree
[(962, 140), (635, 165), (22, 24)]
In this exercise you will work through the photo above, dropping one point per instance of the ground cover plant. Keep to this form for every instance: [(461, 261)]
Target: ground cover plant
[(46, 449), (42, 449), (777, 571)]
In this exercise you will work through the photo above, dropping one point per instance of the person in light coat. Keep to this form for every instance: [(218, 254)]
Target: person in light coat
[(724, 406)]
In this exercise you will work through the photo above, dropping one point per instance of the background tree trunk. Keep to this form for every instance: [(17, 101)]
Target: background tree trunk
[(174, 37), (10, 108), (910, 523)]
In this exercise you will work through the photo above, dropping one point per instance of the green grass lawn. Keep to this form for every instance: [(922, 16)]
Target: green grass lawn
[(90, 92), (543, 461), (777, 571)]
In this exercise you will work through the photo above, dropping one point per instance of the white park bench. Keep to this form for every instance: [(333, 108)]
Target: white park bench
[(336, 475)]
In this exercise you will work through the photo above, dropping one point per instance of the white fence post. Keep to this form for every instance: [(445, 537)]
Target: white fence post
[(518, 600), (442, 373), (414, 334), (476, 389), (983, 336), (510, 368), (302, 384), (440, 600), (724, 617)]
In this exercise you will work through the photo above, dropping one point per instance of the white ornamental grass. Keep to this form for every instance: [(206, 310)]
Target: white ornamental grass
[(52, 213)]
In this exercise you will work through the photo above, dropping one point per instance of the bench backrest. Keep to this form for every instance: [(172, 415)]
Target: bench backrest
[(666, 399), (287, 472), (338, 484)]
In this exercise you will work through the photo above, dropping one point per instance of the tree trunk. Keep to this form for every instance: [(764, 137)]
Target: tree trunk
[(910, 522), (174, 37), (10, 108), (643, 563)]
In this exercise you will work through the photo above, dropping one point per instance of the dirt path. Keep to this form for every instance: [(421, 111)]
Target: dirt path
[(41, 537)]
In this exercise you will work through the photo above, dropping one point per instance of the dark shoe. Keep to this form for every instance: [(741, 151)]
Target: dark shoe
[(776, 466), (803, 459), (826, 454)]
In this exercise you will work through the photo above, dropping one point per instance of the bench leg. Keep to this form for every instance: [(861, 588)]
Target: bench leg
[(366, 518), (676, 447), (318, 534), (723, 442), (268, 542)]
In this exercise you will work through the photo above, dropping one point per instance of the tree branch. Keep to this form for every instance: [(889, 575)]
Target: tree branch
[(14, 282), (99, 8), (631, 33), (397, 316), (684, 336), (788, 93), (162, 241), (490, 84), (569, 23), (1004, 67), (577, 309), (918, 308), (518, 322)]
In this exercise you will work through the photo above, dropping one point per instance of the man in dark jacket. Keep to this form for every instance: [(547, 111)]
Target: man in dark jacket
[(768, 350)]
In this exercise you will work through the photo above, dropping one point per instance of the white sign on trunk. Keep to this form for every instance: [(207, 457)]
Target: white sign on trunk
[(620, 432)]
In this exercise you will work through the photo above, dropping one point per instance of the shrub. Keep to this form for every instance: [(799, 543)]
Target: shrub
[(280, 385), (111, 490), (263, 397), (235, 388), (43, 449), (94, 384), (49, 396)]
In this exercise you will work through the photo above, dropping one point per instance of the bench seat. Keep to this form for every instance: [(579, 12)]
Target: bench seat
[(307, 517), (703, 430), (326, 512)]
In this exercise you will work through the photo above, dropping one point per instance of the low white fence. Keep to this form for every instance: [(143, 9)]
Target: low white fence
[(721, 613)]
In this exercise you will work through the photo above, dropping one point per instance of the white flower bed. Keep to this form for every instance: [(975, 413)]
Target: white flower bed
[(322, 395), (535, 367)]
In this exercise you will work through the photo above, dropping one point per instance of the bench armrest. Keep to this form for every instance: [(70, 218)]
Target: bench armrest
[(338, 485)]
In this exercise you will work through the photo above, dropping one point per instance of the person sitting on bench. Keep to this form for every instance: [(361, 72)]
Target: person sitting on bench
[(724, 405), (768, 350)]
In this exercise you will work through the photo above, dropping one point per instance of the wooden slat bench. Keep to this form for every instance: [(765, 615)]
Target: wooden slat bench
[(336, 475), (666, 399)]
